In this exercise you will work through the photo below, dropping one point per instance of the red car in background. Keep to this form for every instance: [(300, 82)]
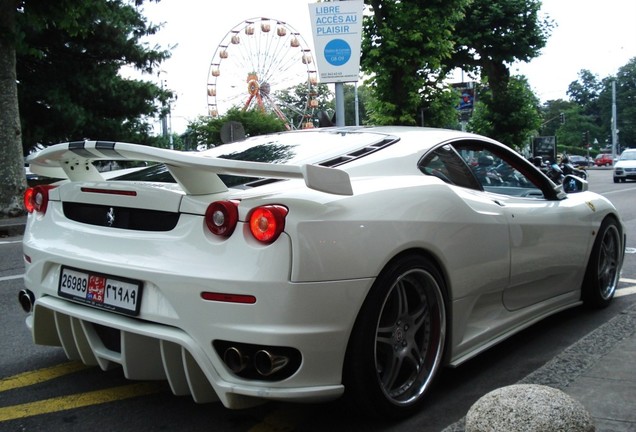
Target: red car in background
[(603, 159)]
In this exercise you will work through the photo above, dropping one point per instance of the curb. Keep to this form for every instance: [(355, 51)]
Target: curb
[(566, 367), (11, 227)]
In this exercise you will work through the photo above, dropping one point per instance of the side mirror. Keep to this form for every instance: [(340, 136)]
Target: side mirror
[(573, 184)]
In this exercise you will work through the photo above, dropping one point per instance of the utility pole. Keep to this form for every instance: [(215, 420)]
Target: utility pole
[(340, 105), (614, 130)]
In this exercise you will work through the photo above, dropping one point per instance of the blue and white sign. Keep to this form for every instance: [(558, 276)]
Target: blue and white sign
[(337, 29)]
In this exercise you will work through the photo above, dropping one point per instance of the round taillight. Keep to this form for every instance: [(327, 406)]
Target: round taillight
[(267, 222), (37, 198), (221, 217)]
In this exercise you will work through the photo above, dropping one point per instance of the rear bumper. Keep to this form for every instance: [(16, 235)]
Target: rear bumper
[(150, 351), (172, 337)]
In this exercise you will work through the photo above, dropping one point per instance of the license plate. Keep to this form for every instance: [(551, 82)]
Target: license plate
[(101, 290)]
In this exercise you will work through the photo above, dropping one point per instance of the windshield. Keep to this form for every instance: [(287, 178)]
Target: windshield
[(628, 155)]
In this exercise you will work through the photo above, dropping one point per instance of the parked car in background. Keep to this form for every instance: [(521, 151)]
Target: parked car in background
[(581, 161), (625, 167), (603, 159), (306, 265)]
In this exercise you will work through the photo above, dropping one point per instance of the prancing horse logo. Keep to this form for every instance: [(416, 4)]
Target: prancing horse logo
[(110, 217)]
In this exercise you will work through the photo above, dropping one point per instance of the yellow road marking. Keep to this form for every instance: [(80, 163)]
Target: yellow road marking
[(64, 403), (35, 377)]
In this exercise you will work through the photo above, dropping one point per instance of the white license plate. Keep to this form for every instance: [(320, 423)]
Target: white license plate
[(101, 290)]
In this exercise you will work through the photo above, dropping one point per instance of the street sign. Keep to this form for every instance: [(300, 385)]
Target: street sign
[(545, 146), (337, 31)]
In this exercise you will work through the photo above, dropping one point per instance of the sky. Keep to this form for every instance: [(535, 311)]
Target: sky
[(599, 36)]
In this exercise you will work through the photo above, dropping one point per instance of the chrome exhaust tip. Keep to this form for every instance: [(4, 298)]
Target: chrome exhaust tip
[(26, 299), (235, 359), (267, 363)]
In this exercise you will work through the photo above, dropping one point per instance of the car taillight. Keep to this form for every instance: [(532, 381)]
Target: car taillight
[(267, 222), (37, 198), (221, 217)]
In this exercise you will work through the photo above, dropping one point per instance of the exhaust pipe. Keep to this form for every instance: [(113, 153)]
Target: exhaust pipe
[(267, 363), (235, 359), (26, 299)]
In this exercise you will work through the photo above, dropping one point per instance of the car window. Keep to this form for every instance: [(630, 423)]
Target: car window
[(446, 164), (484, 166), (628, 155)]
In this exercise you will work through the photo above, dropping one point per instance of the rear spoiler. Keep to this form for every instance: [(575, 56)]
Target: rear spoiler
[(197, 174)]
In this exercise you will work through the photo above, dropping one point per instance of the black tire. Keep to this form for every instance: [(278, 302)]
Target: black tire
[(616, 180), (603, 269), (397, 344)]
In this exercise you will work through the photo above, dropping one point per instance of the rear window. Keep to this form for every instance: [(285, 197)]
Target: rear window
[(293, 148)]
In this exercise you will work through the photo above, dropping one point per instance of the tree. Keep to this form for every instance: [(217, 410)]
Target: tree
[(403, 47), (11, 164), (586, 90), (593, 100), (491, 36), (625, 83), (207, 130), (297, 100), (68, 55), (69, 82), (515, 126), (364, 96), (439, 107), (576, 130)]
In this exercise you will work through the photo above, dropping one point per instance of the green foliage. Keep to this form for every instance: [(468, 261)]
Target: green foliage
[(439, 108), (625, 81), (513, 118), (495, 33), (409, 47), (295, 102), (572, 131), (590, 110), (403, 47), (551, 115), (490, 36), (364, 95), (206, 131), (69, 58), (585, 91)]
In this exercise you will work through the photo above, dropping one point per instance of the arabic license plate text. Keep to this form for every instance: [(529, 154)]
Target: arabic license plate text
[(101, 290)]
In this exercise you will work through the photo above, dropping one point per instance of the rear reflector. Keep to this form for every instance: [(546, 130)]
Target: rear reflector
[(228, 298), (109, 191)]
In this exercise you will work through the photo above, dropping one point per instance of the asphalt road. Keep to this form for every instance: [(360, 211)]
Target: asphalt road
[(41, 391)]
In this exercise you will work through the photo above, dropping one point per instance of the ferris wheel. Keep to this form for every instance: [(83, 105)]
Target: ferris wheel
[(263, 63)]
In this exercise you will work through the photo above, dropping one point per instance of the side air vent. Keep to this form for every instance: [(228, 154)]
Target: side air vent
[(121, 217), (359, 153)]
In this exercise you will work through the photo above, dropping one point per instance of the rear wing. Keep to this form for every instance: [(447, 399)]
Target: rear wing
[(196, 174)]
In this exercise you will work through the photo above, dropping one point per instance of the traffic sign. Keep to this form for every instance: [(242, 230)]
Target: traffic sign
[(337, 31)]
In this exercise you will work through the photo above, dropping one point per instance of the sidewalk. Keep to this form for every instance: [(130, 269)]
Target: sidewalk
[(599, 371)]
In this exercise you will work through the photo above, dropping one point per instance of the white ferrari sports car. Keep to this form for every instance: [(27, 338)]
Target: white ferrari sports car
[(307, 265)]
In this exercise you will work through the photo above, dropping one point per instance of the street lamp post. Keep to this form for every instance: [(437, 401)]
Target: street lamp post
[(614, 131)]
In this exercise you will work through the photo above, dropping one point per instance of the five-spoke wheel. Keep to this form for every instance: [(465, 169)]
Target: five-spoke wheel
[(602, 273), (398, 341)]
